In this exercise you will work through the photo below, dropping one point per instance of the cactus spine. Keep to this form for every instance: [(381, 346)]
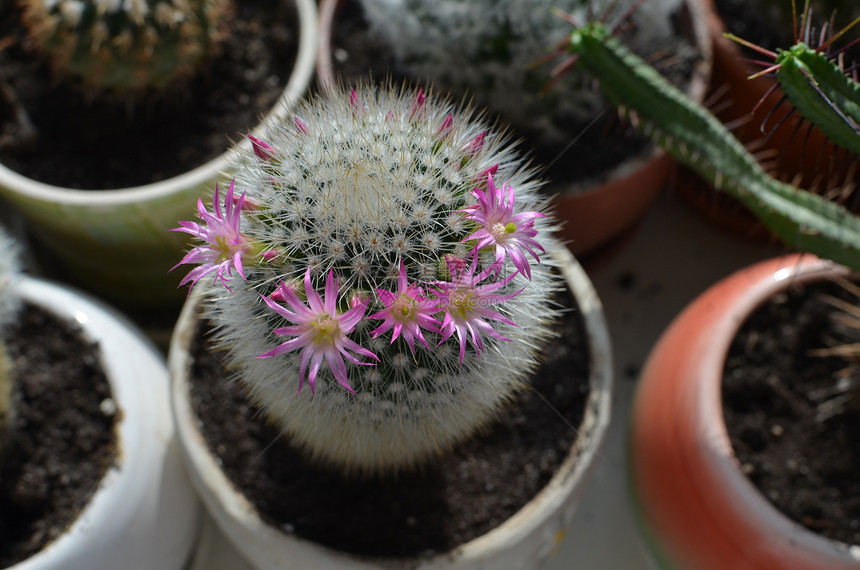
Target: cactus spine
[(126, 45), (372, 224)]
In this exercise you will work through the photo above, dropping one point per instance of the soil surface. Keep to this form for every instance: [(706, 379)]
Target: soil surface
[(63, 433), (106, 143), (593, 150), (466, 493), (773, 391)]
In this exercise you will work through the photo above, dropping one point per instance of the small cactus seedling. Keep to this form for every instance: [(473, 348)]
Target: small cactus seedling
[(9, 305), (125, 45), (379, 283)]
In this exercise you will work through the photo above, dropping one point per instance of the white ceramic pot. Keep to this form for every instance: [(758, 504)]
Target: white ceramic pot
[(520, 542), (144, 514), (117, 243)]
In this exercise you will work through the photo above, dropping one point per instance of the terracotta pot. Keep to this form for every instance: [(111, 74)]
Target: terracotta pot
[(144, 514), (117, 243), (696, 509), (791, 153), (520, 542), (594, 212)]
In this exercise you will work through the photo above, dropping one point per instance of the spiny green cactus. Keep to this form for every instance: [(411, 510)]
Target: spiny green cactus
[(813, 76), (693, 136), (393, 235), (126, 45)]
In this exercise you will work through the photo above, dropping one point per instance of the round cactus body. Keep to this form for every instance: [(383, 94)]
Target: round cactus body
[(378, 283), (126, 45)]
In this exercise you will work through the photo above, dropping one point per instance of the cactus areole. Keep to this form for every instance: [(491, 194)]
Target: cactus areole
[(375, 274)]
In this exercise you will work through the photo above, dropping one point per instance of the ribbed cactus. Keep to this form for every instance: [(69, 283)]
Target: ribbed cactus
[(817, 81), (690, 133), (486, 49), (378, 280), (126, 45), (9, 305)]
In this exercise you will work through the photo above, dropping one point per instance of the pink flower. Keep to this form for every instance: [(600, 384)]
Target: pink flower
[(262, 150), (407, 311), (467, 304), (319, 330), (511, 233), (224, 244)]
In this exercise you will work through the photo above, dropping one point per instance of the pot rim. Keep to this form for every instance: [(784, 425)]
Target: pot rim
[(571, 477), (695, 443), (296, 86), (143, 513)]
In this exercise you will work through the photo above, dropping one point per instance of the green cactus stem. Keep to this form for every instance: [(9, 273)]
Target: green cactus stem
[(693, 136), (126, 46), (814, 81)]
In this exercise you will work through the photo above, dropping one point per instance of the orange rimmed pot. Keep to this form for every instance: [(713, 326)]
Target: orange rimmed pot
[(695, 508)]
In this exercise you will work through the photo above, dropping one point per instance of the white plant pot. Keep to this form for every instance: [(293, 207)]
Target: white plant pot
[(520, 542), (144, 514), (117, 243)]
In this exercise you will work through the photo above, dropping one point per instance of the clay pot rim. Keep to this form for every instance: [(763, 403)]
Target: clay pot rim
[(721, 501)]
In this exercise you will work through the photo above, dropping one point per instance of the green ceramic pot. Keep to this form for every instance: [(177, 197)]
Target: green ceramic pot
[(117, 243)]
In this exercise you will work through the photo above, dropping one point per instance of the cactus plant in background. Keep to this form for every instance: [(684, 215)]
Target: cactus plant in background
[(485, 48), (375, 275), (9, 305), (125, 45), (691, 134)]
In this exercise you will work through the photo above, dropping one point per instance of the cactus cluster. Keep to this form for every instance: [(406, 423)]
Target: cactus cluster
[(379, 284), (486, 49), (125, 45)]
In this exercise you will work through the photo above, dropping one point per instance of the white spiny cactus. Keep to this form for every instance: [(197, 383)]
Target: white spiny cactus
[(488, 49), (126, 45), (395, 237)]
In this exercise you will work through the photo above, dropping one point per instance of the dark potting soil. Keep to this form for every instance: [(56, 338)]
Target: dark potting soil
[(102, 144), (773, 390), (594, 150), (63, 434), (469, 491)]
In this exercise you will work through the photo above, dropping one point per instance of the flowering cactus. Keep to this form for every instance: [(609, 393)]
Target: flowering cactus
[(379, 284), (125, 45), (486, 49)]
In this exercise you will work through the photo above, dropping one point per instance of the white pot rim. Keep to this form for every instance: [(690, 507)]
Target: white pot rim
[(144, 513), (300, 78)]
